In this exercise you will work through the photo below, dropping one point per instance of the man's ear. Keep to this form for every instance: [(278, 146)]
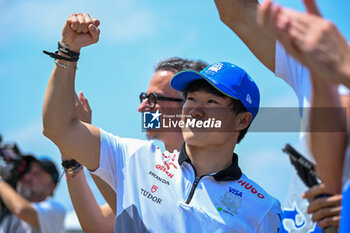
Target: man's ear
[(243, 120)]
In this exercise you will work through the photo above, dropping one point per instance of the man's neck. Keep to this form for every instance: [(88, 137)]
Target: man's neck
[(173, 143), (208, 160), (37, 198)]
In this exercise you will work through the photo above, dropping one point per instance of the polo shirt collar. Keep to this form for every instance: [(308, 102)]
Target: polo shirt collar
[(231, 173)]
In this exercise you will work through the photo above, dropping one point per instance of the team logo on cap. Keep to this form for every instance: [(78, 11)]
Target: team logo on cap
[(248, 99), (216, 67), (151, 120)]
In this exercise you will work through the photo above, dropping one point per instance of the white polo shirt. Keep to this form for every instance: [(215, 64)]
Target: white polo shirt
[(50, 215), (160, 192)]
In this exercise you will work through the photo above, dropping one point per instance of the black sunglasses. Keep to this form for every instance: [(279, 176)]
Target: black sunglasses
[(152, 99)]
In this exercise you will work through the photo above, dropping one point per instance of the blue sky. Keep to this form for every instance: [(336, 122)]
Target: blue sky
[(135, 35)]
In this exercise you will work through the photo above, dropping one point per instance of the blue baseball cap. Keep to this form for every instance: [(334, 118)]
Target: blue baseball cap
[(227, 78)]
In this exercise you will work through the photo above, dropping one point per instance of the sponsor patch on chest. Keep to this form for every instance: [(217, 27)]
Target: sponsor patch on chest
[(151, 196)]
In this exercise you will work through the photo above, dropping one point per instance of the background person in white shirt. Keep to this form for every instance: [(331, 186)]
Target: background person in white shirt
[(31, 210)]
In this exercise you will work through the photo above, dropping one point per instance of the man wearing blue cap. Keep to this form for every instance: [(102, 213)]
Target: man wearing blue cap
[(199, 189), (30, 210)]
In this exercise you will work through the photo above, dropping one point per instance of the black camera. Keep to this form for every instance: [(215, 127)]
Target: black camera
[(307, 173), (12, 167), (305, 168), (12, 164)]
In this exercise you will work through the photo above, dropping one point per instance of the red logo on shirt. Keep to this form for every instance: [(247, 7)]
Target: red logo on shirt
[(168, 164), (154, 188), (251, 188), (164, 169), (169, 160)]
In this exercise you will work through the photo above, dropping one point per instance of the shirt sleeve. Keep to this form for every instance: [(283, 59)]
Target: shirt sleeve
[(51, 216), (114, 155), (289, 69), (272, 220)]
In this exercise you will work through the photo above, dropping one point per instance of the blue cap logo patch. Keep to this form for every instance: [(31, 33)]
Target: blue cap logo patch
[(216, 67), (248, 99)]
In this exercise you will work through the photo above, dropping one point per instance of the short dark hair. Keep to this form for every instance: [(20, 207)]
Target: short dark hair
[(203, 85), (177, 64)]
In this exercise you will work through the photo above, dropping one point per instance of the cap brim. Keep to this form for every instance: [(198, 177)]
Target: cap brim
[(181, 80)]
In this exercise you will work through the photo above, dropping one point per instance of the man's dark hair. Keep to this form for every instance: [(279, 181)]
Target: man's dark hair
[(203, 85), (177, 64)]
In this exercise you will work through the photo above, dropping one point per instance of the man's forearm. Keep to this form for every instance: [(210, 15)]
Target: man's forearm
[(59, 111), (107, 192), (17, 205), (89, 213), (344, 70), (59, 105), (328, 148), (60, 120), (241, 17)]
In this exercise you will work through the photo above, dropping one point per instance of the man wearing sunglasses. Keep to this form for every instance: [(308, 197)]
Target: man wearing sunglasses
[(152, 98), (161, 96)]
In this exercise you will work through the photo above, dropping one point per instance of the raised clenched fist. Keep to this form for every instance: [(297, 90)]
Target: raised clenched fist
[(80, 30)]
